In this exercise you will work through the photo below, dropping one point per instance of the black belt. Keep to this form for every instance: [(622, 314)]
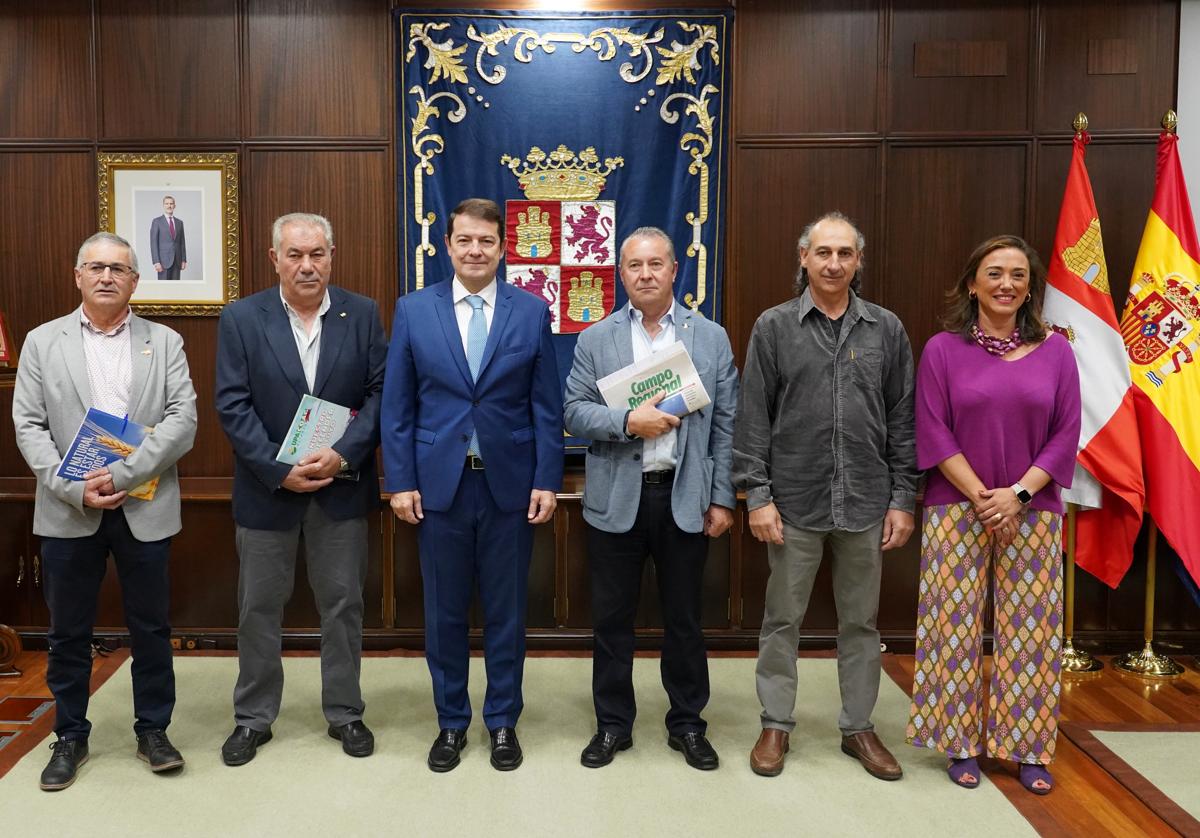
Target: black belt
[(474, 463), (656, 477)]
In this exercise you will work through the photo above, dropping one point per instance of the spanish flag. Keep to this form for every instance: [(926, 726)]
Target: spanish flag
[(1161, 330), (1108, 484)]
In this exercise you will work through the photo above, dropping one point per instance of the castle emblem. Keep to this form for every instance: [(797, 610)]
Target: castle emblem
[(561, 240)]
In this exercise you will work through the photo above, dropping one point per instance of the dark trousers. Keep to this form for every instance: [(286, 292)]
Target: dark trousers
[(616, 561), (74, 569), (475, 541)]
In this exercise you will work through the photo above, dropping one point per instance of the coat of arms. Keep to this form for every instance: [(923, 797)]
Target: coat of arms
[(1162, 324), (561, 241)]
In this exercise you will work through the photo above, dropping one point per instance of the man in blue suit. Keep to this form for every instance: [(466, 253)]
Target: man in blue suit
[(168, 245), (273, 347), (472, 452), (656, 484)]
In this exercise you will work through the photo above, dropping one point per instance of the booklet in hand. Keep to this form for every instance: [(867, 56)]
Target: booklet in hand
[(317, 424), (670, 372), (101, 440)]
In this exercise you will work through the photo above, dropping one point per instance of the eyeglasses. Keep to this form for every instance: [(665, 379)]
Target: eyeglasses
[(118, 270)]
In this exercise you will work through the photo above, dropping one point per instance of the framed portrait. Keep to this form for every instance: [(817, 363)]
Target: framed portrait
[(8, 352), (180, 214)]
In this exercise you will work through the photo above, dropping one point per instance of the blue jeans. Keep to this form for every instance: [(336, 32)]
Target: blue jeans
[(74, 569)]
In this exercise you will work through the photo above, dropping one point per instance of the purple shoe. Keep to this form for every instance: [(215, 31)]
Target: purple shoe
[(1030, 774), (960, 768)]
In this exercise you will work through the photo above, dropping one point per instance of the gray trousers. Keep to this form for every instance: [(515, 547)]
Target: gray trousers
[(336, 556), (857, 564)]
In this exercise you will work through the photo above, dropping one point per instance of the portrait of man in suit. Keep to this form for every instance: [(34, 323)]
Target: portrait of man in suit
[(168, 244), (103, 356), (472, 453), (656, 485), (302, 336)]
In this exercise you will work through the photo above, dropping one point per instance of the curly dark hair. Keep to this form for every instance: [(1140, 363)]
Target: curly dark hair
[(962, 310)]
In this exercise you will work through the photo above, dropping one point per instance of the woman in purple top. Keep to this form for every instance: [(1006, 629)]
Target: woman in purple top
[(997, 415)]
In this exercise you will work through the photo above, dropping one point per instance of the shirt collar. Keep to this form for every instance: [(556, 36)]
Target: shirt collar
[(87, 324), (857, 309), (291, 312), (460, 292), (635, 314)]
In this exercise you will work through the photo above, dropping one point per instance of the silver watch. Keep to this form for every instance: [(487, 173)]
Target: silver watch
[(1023, 494)]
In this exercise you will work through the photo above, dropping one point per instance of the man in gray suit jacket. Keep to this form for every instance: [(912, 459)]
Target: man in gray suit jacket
[(168, 245), (101, 355), (655, 484)]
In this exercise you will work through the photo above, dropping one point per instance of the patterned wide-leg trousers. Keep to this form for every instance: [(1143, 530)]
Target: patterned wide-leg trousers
[(958, 557)]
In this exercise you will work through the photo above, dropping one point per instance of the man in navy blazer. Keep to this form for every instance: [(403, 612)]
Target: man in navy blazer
[(168, 245), (472, 452), (302, 336)]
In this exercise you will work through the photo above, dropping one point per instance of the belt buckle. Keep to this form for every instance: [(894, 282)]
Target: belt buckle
[(475, 462)]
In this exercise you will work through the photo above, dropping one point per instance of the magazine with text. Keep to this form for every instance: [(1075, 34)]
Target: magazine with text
[(103, 439), (670, 372)]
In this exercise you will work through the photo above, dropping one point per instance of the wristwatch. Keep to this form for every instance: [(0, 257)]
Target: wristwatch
[(345, 466), (1023, 494)]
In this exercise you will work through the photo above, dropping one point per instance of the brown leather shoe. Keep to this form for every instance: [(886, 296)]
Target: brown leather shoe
[(767, 757), (867, 749)]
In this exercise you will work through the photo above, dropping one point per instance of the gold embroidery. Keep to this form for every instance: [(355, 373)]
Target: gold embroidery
[(603, 42), (565, 177), (699, 146), (426, 148), (443, 58), (533, 234), (586, 298), (682, 60)]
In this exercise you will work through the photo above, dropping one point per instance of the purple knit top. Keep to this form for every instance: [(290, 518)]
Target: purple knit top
[(1003, 416)]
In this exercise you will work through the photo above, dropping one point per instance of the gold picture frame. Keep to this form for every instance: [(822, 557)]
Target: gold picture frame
[(200, 256)]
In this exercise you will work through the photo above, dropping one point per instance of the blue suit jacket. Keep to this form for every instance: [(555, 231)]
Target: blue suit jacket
[(430, 403), (164, 250), (259, 385)]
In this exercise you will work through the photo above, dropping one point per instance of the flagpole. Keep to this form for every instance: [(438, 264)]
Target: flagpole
[(1073, 660), (1147, 662)]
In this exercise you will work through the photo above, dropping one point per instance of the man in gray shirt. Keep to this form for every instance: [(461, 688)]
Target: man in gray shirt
[(823, 448)]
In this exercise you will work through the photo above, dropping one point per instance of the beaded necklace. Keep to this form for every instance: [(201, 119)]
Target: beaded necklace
[(996, 346)]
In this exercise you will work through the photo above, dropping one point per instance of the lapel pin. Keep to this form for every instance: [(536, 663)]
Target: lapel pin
[(343, 314), (145, 351)]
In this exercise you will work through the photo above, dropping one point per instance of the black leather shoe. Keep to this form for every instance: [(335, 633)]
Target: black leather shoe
[(155, 748), (242, 744), (444, 755), (603, 747), (68, 755), (506, 750), (696, 750), (357, 739)]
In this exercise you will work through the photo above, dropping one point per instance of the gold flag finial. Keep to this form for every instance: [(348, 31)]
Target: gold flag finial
[(1170, 122), (1080, 122)]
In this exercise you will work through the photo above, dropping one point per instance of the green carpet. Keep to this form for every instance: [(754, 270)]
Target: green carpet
[(301, 784), (1167, 759)]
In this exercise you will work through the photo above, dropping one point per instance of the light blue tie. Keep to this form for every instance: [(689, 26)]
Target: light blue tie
[(476, 339)]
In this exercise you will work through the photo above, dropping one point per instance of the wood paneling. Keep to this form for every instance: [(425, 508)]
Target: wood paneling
[(780, 190), (168, 69), (979, 100), (351, 189), (948, 59), (317, 69), (1140, 82), (941, 202), (45, 73), (211, 454), (830, 52)]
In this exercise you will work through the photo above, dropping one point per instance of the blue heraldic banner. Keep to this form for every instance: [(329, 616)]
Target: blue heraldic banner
[(582, 127)]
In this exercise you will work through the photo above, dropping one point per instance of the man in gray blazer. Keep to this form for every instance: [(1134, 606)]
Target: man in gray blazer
[(168, 244), (656, 484), (102, 355)]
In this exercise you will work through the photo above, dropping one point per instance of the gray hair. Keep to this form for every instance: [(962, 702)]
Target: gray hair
[(111, 238), (308, 218), (650, 233), (805, 242)]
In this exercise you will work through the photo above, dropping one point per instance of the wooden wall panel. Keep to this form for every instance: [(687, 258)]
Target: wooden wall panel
[(318, 69), (780, 190), (792, 74), (1123, 183), (45, 72), (1111, 36), (211, 455), (939, 206), (960, 92), (350, 188), (168, 69)]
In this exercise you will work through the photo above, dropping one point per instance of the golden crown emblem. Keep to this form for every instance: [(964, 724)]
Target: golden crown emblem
[(561, 175)]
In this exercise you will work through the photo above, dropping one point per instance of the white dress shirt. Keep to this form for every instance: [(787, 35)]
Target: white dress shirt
[(462, 309), (109, 357), (308, 344), (658, 454)]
